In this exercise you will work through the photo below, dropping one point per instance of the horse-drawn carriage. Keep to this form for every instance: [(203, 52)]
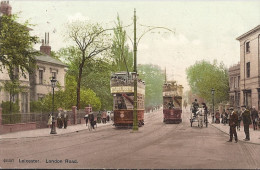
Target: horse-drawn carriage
[(199, 115)]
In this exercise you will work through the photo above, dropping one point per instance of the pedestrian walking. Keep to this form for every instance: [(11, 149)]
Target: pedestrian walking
[(91, 119), (86, 118), (49, 121), (104, 117), (239, 118), (246, 121), (254, 116), (225, 117), (232, 124), (59, 120), (65, 119)]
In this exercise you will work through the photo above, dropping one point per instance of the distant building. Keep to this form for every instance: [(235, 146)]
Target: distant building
[(36, 85), (249, 83), (234, 85)]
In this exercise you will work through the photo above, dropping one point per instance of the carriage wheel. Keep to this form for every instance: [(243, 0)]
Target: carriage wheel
[(190, 123)]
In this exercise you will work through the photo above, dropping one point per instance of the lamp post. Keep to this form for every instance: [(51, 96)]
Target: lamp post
[(53, 84), (135, 44), (213, 110)]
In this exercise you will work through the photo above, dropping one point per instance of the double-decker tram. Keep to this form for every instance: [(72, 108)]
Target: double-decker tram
[(172, 102), (122, 89)]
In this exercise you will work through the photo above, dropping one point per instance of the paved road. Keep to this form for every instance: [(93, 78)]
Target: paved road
[(156, 145)]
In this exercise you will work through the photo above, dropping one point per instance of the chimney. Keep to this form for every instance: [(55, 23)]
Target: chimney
[(45, 48), (5, 8)]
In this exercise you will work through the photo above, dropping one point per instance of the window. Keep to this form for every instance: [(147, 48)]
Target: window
[(231, 82), (238, 81), (248, 47), (40, 76), (248, 69), (53, 74), (235, 82)]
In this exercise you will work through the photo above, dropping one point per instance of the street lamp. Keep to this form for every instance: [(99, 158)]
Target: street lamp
[(53, 84), (213, 112), (135, 44)]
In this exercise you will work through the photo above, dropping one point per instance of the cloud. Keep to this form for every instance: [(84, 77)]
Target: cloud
[(77, 17)]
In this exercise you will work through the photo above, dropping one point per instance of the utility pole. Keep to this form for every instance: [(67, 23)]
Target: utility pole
[(135, 121)]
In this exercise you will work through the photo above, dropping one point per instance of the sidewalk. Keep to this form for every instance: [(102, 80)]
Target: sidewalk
[(254, 134), (46, 131)]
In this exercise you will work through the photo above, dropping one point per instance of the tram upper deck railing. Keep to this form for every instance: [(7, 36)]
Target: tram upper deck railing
[(125, 79), (170, 88)]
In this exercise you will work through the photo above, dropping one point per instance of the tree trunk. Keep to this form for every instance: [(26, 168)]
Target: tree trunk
[(78, 84)]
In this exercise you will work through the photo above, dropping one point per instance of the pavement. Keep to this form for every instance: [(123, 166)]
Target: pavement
[(46, 131), (254, 134)]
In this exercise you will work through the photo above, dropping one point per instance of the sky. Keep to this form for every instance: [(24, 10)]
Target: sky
[(202, 30)]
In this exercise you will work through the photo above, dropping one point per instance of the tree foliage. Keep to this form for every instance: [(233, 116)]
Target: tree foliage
[(91, 40), (67, 98), (95, 76), (16, 52), (203, 76), (16, 46), (121, 55), (154, 79)]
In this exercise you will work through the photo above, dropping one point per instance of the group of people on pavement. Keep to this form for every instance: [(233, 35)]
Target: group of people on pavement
[(62, 119), (100, 117), (233, 122), (234, 118)]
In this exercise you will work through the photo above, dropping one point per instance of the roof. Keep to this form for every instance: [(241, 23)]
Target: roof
[(249, 32), (49, 59)]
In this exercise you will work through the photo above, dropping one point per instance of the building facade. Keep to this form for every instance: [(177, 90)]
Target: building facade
[(249, 83), (36, 85), (47, 67), (234, 85)]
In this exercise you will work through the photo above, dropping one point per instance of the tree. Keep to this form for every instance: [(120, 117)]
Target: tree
[(122, 57), (16, 52), (154, 79), (91, 40), (95, 76), (203, 76), (67, 98)]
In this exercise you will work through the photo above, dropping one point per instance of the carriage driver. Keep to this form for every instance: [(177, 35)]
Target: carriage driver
[(195, 107)]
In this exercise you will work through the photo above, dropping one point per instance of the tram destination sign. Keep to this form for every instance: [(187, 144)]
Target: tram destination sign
[(170, 93), (122, 89), (126, 89)]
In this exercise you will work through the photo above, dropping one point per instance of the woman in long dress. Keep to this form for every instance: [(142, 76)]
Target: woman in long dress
[(49, 121)]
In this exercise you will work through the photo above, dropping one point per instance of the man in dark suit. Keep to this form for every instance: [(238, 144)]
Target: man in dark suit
[(233, 123), (246, 121)]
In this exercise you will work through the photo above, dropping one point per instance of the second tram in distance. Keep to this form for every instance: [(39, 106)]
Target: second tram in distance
[(172, 102)]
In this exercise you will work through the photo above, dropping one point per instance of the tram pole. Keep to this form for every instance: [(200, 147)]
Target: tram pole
[(135, 121)]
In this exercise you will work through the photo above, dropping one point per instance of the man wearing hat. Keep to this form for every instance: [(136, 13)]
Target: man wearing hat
[(233, 123), (195, 107), (246, 121), (254, 116)]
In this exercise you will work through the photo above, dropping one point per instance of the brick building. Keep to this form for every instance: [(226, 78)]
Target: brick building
[(248, 79)]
